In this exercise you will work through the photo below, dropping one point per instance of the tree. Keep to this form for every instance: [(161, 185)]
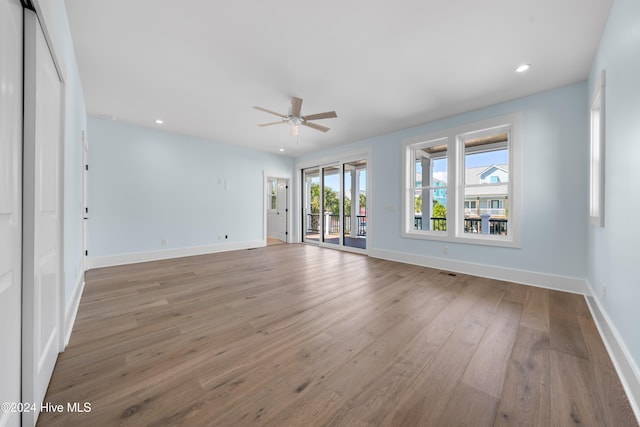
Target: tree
[(331, 201), (418, 204), (439, 211), (315, 198)]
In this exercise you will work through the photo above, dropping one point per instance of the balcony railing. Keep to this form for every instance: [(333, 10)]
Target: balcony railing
[(473, 212), (332, 224), (496, 226), (471, 225), (439, 224)]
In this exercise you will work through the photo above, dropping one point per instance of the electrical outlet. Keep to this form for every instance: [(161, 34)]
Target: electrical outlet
[(445, 250), (226, 236), (604, 292), (163, 242)]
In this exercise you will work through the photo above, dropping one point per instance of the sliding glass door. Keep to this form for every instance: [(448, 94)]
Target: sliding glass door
[(311, 205), (331, 205), (355, 204), (334, 205)]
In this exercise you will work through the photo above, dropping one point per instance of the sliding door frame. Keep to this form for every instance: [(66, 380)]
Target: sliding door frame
[(321, 163)]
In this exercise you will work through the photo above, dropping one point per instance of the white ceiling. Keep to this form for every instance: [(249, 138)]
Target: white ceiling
[(381, 65)]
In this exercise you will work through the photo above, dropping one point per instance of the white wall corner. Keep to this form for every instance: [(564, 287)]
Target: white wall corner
[(136, 257), (71, 310), (622, 361)]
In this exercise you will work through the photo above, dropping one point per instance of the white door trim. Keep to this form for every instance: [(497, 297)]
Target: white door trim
[(265, 200)]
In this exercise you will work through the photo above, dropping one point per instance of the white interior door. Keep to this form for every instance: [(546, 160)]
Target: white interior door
[(10, 204), (42, 217), (282, 211)]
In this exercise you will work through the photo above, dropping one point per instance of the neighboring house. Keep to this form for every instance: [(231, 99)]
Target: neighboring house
[(480, 198), (490, 198)]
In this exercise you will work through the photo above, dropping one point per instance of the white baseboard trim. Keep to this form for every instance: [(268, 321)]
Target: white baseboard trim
[(135, 257), (71, 310), (624, 364), (541, 280)]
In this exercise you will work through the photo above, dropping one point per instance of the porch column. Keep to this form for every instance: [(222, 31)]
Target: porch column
[(307, 207), (355, 202), (427, 203), (484, 220)]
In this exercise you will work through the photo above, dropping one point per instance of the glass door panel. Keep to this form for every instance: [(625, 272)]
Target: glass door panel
[(331, 224), (355, 204), (311, 206)]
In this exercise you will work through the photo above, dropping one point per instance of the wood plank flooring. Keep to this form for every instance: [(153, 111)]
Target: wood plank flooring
[(296, 335)]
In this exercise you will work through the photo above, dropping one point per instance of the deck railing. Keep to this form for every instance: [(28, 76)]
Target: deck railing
[(332, 224), (497, 226)]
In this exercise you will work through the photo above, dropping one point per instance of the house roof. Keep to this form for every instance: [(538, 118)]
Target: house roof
[(474, 176)]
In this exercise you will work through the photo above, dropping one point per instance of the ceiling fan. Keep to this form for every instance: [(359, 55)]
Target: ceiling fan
[(295, 119)]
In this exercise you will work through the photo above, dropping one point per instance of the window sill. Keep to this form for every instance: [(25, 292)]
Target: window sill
[(483, 240)]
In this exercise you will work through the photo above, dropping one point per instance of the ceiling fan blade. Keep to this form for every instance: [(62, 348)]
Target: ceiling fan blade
[(327, 115), (270, 112), (316, 127), (296, 106), (271, 123)]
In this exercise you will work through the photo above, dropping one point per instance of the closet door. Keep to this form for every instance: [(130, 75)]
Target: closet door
[(10, 206), (42, 217)]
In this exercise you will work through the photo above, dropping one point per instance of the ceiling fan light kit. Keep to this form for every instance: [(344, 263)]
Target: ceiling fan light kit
[(294, 119)]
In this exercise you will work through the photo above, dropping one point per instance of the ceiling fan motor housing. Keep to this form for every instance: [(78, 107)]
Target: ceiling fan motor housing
[(295, 120)]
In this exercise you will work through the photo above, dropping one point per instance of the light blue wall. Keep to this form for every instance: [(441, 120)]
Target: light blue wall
[(53, 16), (146, 185), (614, 251), (555, 177)]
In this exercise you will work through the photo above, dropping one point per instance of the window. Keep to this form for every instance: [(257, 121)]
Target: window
[(486, 177), (429, 189), (272, 194), (470, 206), (463, 184), (596, 172)]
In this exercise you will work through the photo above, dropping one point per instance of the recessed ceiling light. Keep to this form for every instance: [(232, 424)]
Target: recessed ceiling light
[(522, 68), (282, 149), (158, 121)]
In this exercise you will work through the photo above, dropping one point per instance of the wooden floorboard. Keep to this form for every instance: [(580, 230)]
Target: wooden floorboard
[(296, 335)]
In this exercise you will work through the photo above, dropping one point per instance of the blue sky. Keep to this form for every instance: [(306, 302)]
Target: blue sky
[(333, 182)]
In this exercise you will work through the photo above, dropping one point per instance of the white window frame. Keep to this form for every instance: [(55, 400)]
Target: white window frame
[(597, 153), (455, 182), (272, 184), (411, 185)]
